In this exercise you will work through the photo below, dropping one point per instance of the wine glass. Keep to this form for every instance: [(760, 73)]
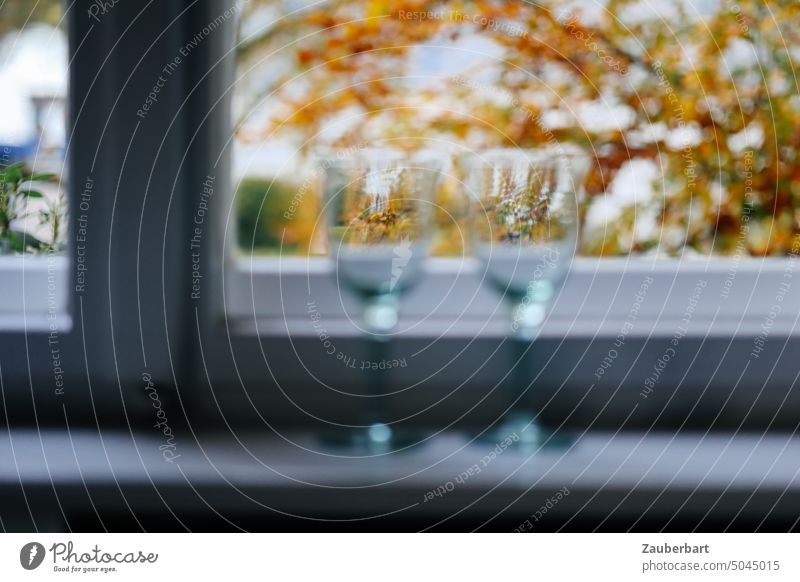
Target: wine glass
[(379, 209), (525, 231)]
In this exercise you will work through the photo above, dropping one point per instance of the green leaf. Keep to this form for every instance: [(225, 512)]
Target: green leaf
[(31, 193), (14, 172), (17, 244), (23, 240), (41, 177)]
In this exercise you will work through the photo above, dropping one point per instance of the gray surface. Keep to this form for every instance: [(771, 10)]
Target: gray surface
[(654, 476), (742, 462)]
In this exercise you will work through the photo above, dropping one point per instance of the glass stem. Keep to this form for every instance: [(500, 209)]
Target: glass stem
[(380, 316), (376, 381), (527, 319), (520, 377)]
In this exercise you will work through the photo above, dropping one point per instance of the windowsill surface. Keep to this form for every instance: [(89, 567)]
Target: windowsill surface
[(34, 293), (643, 296), (696, 472)]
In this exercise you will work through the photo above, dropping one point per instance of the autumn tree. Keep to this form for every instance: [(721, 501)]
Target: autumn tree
[(709, 100)]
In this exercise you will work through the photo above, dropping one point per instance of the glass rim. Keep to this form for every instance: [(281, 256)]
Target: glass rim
[(532, 155), (354, 157)]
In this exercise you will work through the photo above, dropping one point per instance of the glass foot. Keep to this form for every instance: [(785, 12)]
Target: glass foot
[(376, 439), (519, 431)]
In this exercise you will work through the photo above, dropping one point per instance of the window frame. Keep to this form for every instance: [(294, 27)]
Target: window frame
[(246, 359), (109, 332), (247, 302)]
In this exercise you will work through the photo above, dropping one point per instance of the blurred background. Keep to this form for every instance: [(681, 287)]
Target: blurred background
[(689, 108)]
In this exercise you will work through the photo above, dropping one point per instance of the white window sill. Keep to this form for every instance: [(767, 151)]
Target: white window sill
[(34, 293), (269, 297)]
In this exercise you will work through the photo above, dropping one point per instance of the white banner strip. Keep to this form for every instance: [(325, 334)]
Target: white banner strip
[(400, 557)]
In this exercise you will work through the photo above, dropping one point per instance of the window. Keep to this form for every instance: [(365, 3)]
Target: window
[(678, 121), (33, 229), (75, 332), (689, 227), (674, 172)]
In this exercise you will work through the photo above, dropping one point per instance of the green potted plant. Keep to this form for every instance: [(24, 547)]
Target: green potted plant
[(53, 216), (16, 188)]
